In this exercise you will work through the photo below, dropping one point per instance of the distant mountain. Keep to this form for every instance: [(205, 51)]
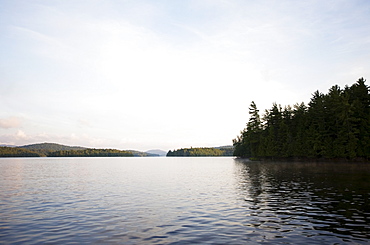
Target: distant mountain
[(157, 152), (51, 147), (58, 150), (44, 149), (142, 154), (5, 145)]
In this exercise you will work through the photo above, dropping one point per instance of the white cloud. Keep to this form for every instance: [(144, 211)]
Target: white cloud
[(20, 135)]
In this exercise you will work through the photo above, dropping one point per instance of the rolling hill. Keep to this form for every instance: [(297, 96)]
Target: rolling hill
[(58, 150)]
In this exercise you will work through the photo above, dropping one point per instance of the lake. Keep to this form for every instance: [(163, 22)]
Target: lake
[(158, 200)]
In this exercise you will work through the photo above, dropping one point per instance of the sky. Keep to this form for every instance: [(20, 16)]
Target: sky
[(167, 74)]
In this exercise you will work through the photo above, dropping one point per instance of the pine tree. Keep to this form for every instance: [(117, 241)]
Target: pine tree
[(334, 125)]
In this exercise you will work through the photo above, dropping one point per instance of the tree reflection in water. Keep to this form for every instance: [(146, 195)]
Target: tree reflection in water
[(306, 198)]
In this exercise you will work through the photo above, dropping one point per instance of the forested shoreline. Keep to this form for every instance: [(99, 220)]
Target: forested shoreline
[(90, 152), (17, 152), (57, 150), (332, 126), (335, 125), (202, 152)]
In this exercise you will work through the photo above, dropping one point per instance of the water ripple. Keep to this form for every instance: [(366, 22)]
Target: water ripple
[(182, 201)]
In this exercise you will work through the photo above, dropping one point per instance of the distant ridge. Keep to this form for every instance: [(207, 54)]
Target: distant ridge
[(51, 147), (5, 145), (44, 149), (157, 152), (59, 150), (142, 154)]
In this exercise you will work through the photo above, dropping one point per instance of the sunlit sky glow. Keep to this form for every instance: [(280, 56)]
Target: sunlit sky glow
[(167, 74)]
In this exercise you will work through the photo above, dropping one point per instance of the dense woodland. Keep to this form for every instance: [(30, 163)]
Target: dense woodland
[(51, 147), (44, 149), (335, 125), (57, 150), (202, 152), (91, 153), (17, 152)]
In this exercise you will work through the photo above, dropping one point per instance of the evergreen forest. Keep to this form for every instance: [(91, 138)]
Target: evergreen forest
[(57, 150), (44, 149), (91, 152), (335, 125), (17, 152), (202, 152)]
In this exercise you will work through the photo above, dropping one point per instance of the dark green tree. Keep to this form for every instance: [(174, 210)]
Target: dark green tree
[(334, 125), (248, 143)]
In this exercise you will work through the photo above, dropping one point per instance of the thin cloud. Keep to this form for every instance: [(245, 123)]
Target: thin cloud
[(10, 122), (20, 137), (148, 72)]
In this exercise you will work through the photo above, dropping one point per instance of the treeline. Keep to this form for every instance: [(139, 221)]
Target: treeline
[(57, 150), (201, 152), (17, 152), (227, 150), (332, 125), (50, 147), (45, 149), (90, 152)]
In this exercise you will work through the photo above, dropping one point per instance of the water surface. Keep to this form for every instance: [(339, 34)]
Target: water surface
[(182, 200)]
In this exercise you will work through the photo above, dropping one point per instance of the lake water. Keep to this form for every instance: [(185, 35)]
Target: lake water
[(182, 201)]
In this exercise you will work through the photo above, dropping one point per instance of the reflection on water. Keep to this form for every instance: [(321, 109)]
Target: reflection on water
[(317, 200), (182, 201)]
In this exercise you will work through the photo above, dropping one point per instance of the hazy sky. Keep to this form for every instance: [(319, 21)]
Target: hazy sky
[(167, 74)]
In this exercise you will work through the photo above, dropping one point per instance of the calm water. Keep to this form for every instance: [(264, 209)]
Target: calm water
[(182, 200)]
